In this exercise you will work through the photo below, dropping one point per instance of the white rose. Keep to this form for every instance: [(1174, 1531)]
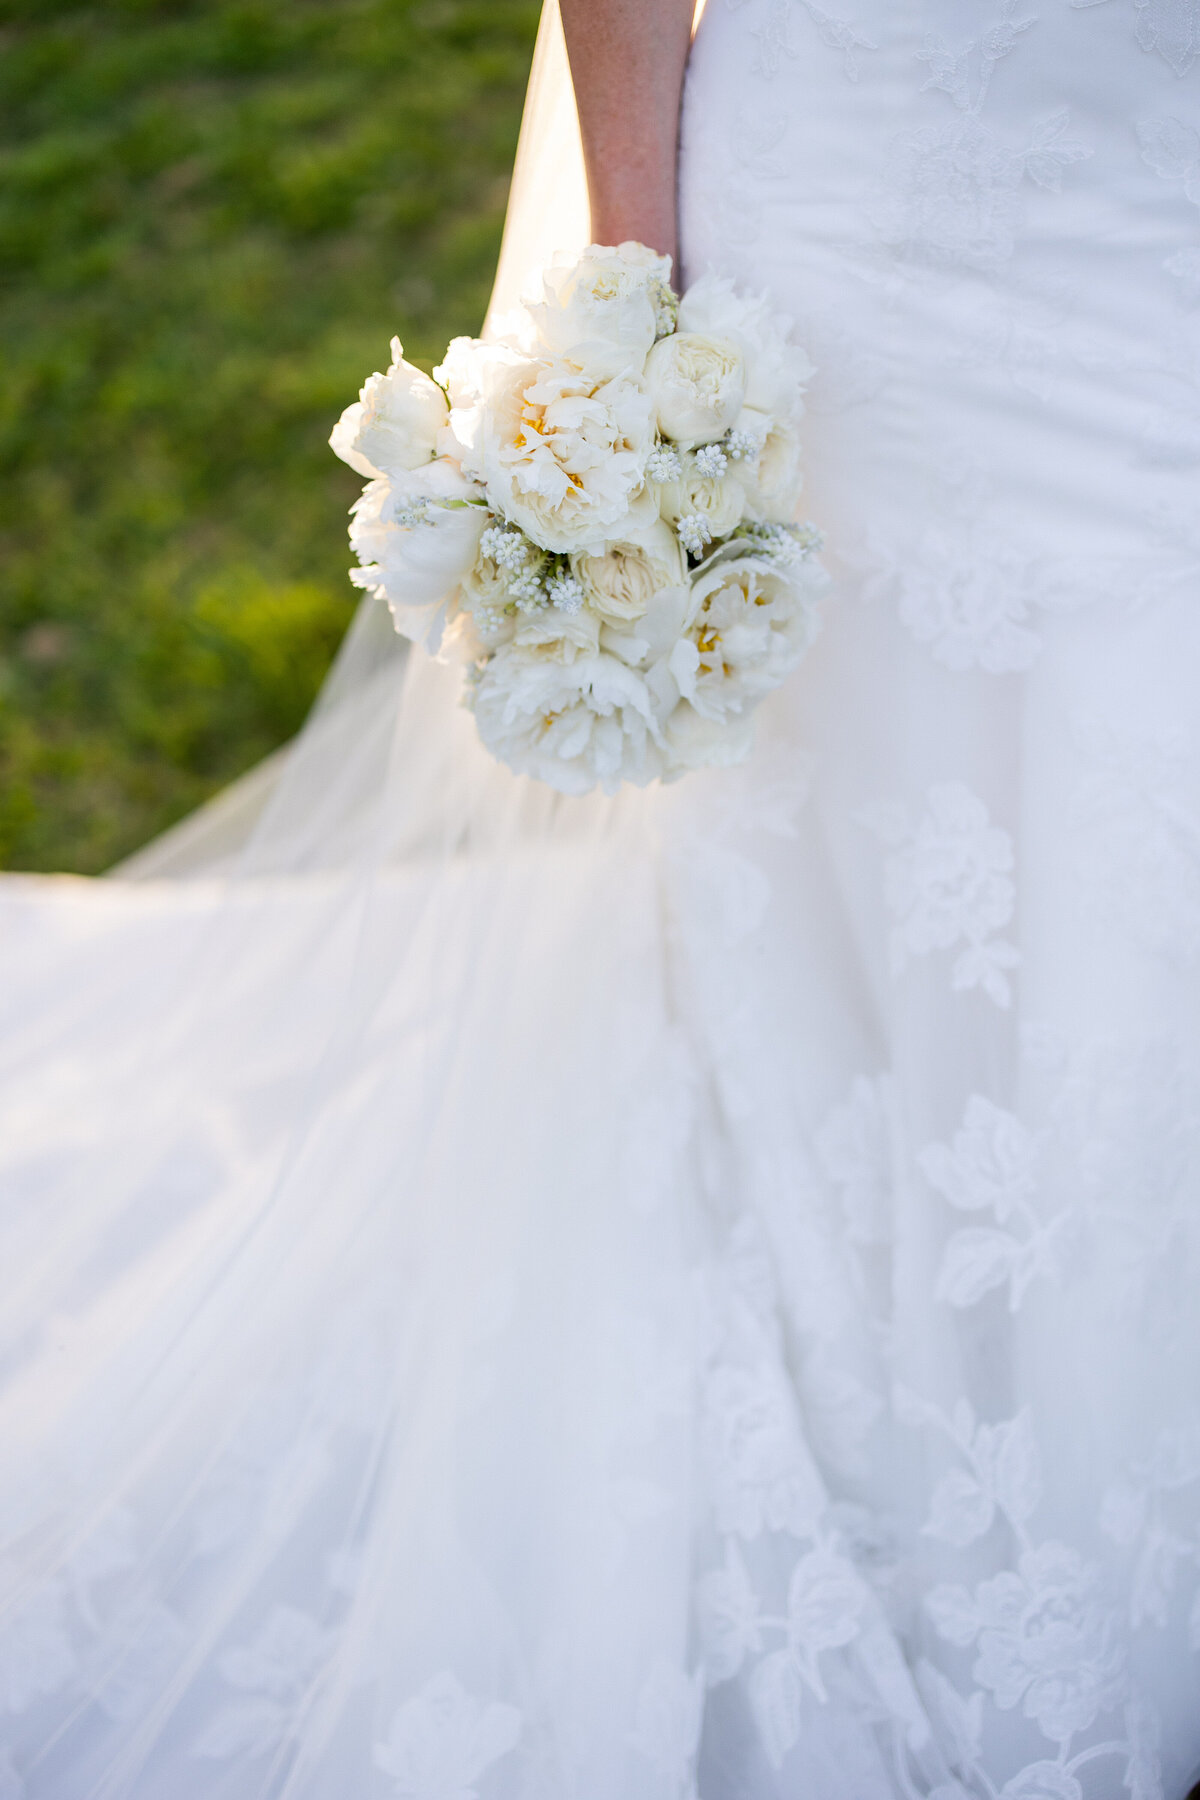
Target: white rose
[(571, 724), (698, 385), (772, 477), (417, 568), (485, 597), (599, 311), (394, 424), (776, 370), (621, 581), (750, 624), (563, 456), (720, 500)]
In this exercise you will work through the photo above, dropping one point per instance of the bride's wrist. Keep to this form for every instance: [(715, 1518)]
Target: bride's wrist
[(644, 223)]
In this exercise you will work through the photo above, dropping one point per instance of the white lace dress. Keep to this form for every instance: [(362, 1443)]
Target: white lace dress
[(693, 1295)]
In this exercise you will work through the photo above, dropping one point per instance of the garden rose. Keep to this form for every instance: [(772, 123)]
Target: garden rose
[(621, 581), (776, 370), (720, 500), (698, 385), (772, 478)]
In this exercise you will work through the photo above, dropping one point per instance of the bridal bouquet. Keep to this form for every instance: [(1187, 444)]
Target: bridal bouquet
[(594, 512)]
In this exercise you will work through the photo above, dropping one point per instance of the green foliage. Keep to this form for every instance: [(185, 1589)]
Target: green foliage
[(213, 216)]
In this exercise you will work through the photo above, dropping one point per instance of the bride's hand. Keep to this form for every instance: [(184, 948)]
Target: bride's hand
[(627, 62)]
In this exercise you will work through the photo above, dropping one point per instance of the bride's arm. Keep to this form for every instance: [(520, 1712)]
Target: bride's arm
[(627, 61)]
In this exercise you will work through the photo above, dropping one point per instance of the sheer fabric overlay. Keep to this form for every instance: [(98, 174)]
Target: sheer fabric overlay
[(688, 1295)]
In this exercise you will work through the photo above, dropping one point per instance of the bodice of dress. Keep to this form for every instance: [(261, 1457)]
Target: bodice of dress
[(985, 217)]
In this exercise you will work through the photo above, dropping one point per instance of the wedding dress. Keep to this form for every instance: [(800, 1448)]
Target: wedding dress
[(694, 1293)]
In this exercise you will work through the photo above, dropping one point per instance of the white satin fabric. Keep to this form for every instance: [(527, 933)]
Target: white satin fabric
[(691, 1295)]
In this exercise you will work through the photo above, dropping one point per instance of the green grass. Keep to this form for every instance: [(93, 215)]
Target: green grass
[(213, 215)]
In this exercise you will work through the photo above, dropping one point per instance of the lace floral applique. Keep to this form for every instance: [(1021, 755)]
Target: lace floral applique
[(1044, 1640), (762, 1476), (776, 41), (947, 882), (979, 605), (826, 1599), (972, 610), (840, 35), (991, 1166), (112, 1647), (753, 160), (36, 1653), (274, 1674), (997, 1471), (958, 185), (839, 1411), (1172, 149), (853, 1145), (1139, 1514), (960, 199), (668, 1719), (1170, 28), (1184, 265), (1141, 835), (443, 1740), (1122, 1143)]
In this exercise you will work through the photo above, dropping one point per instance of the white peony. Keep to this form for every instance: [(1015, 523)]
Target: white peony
[(571, 724), (600, 311), (720, 500), (394, 424), (776, 370), (621, 581), (563, 455), (696, 742), (697, 382), (558, 635), (750, 624), (417, 568)]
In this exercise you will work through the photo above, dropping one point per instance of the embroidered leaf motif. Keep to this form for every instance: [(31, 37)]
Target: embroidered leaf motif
[(245, 1728), (728, 1612), (670, 1712), (974, 1261), (1042, 1781), (953, 1612), (1049, 154), (960, 1510), (1194, 1625), (990, 1163), (1017, 1473), (775, 1694), (960, 1718), (1172, 149), (441, 1741), (825, 1603)]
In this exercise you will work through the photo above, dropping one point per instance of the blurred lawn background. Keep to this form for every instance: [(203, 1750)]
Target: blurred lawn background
[(213, 216)]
